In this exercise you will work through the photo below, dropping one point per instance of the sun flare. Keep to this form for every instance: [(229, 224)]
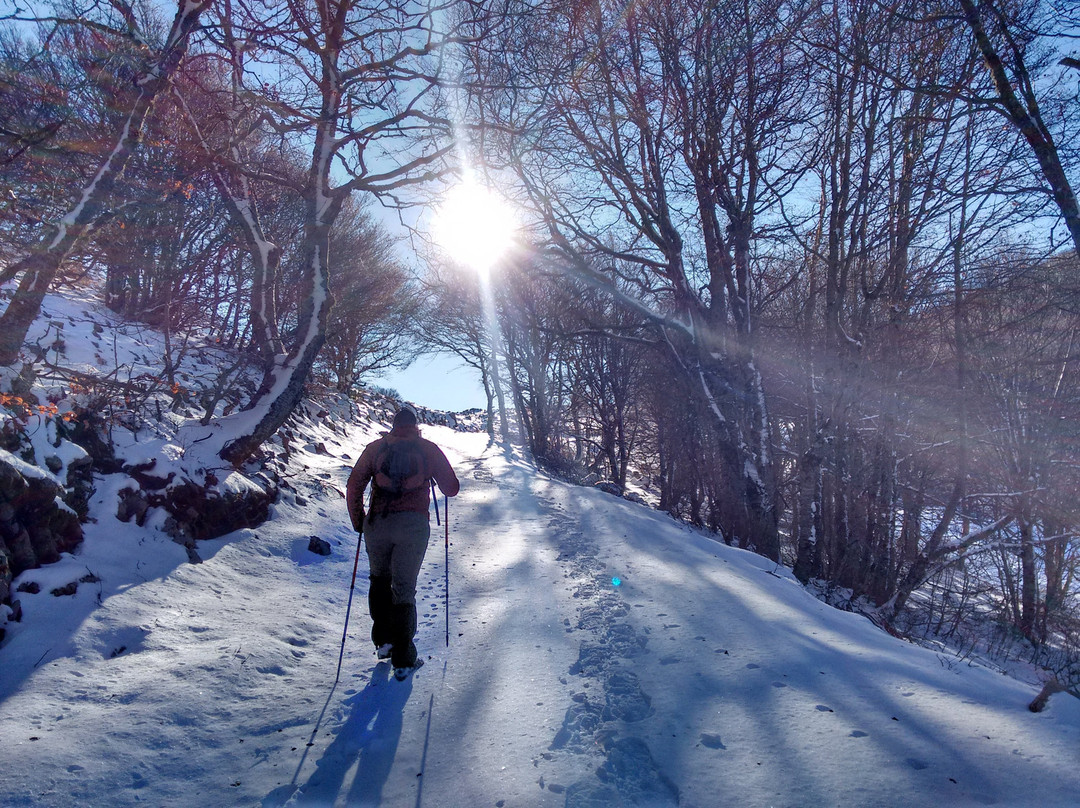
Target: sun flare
[(474, 226)]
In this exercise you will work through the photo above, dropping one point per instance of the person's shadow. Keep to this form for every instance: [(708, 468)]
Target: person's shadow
[(366, 742)]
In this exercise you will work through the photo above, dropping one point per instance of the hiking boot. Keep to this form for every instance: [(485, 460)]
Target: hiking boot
[(403, 628), (401, 674)]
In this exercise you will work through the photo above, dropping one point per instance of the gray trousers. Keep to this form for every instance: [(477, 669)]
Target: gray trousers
[(396, 545)]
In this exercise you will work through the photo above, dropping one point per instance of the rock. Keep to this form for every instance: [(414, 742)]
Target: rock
[(319, 546), (88, 430), (29, 587), (80, 484), (140, 472), (199, 513), (67, 589), (177, 531), (608, 487), (54, 464), (34, 530), (132, 506), (5, 576)]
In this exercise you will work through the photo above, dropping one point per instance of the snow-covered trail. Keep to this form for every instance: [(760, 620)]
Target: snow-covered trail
[(469, 728), (704, 678)]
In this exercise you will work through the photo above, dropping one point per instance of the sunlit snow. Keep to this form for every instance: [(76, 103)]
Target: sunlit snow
[(600, 654), (706, 677)]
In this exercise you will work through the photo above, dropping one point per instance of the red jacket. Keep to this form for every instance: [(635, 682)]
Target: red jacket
[(435, 466)]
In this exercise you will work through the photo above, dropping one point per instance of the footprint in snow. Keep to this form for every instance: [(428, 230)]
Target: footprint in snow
[(711, 741)]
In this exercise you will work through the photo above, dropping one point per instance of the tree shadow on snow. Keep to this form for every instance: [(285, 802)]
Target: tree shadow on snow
[(363, 749)]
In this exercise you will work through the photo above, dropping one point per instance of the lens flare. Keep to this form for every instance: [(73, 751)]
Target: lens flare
[(474, 226)]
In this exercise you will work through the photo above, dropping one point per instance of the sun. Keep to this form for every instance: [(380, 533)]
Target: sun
[(474, 226)]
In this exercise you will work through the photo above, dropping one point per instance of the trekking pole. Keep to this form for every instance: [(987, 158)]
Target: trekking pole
[(446, 522), (446, 513), (348, 608)]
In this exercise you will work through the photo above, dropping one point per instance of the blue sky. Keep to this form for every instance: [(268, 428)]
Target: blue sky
[(438, 382)]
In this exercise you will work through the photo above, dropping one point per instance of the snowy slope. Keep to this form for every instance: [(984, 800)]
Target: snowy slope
[(704, 678)]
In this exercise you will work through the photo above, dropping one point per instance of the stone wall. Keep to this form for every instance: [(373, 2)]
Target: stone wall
[(35, 525)]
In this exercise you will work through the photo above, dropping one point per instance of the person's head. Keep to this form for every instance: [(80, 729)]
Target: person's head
[(406, 416)]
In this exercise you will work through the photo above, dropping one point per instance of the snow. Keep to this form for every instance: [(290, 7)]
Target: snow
[(711, 399), (28, 470), (73, 216), (706, 677), (94, 341)]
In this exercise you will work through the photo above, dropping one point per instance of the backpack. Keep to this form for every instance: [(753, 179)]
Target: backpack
[(400, 469)]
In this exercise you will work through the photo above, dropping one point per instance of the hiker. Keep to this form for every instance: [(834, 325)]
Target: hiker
[(400, 466)]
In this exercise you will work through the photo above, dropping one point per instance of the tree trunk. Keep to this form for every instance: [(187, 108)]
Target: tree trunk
[(489, 395), (266, 258), (809, 526), (1028, 585), (236, 191), (283, 386), (1054, 561), (732, 390)]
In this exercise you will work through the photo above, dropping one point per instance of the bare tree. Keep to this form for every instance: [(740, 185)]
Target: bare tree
[(39, 267), (650, 137), (356, 85), (1004, 33), (605, 345), (451, 318), (374, 304)]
